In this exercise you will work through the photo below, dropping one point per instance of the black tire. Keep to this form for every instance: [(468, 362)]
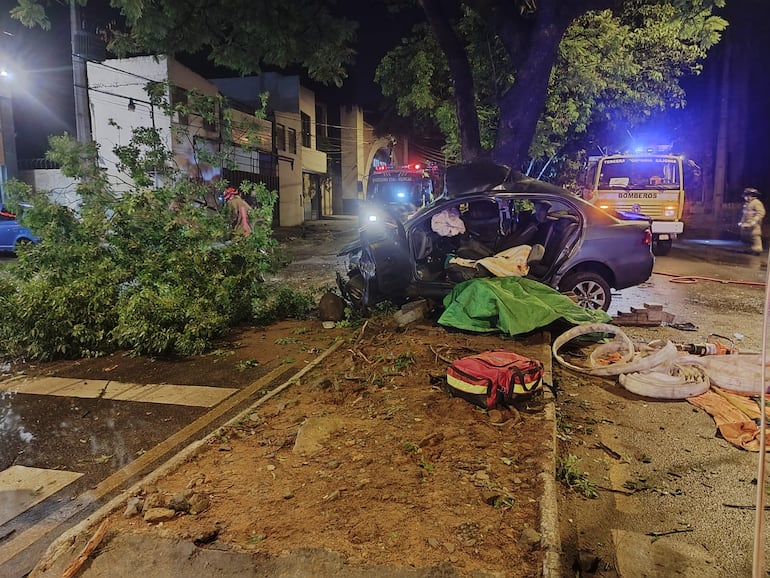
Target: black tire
[(661, 248), (591, 289)]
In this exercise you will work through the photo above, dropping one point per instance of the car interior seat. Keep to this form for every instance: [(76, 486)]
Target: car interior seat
[(482, 222), (523, 235), (556, 236)]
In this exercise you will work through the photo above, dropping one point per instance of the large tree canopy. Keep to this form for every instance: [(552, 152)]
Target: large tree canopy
[(243, 35), (502, 77), (536, 71)]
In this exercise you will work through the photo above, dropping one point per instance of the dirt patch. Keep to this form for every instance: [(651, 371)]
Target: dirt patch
[(367, 456)]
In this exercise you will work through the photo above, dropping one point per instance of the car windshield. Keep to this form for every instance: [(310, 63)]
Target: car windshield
[(647, 172)]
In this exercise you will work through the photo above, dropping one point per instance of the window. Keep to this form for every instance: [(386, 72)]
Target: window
[(211, 125), (321, 127), (293, 141), (267, 164), (306, 130), (179, 101), (280, 137)]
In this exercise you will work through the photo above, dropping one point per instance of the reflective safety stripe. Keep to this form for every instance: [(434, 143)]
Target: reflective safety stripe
[(466, 387)]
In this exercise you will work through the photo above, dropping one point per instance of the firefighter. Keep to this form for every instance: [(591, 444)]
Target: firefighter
[(239, 211), (751, 220)]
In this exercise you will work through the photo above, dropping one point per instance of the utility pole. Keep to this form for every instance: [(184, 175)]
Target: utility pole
[(80, 80), (720, 164)]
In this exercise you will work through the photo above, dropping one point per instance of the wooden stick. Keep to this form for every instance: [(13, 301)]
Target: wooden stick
[(609, 450), (656, 534), (742, 507), (439, 356), (361, 334), (88, 549)]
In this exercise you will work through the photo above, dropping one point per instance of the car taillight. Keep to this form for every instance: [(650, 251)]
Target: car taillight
[(647, 237)]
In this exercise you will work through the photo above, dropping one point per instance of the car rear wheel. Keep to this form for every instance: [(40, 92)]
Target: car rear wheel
[(591, 289)]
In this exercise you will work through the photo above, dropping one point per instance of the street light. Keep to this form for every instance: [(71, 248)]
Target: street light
[(132, 107)]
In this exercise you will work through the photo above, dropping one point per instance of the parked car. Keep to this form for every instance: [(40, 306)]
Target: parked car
[(532, 227), (13, 234)]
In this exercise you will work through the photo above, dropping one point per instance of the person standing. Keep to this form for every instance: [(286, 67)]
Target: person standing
[(751, 220), (239, 212)]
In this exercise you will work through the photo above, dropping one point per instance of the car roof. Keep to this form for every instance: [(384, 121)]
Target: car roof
[(483, 176)]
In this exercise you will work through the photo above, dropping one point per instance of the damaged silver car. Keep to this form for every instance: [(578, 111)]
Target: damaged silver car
[(492, 221)]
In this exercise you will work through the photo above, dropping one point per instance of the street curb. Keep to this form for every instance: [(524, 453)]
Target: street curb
[(68, 539), (550, 538)]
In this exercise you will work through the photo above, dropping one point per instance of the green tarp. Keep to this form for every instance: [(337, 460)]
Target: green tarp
[(513, 305)]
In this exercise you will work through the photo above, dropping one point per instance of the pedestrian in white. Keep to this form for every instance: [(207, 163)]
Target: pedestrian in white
[(751, 220)]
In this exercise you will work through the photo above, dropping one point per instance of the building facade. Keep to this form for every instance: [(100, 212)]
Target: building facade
[(300, 139), (211, 148)]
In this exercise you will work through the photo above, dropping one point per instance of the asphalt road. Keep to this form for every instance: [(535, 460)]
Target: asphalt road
[(675, 498)]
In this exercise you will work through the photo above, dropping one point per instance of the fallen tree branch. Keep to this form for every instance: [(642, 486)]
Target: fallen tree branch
[(357, 352), (741, 507), (361, 333), (439, 356), (88, 549), (608, 449)]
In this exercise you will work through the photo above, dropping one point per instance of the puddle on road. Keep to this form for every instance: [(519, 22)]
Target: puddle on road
[(13, 435)]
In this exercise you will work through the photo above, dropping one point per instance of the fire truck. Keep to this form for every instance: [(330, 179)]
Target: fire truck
[(646, 183), (407, 188)]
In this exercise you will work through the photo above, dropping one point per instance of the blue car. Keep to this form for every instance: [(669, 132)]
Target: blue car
[(13, 234)]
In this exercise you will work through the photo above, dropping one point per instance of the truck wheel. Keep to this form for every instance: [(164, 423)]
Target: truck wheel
[(661, 248), (591, 289)]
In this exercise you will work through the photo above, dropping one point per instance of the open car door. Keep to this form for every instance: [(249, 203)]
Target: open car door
[(385, 263)]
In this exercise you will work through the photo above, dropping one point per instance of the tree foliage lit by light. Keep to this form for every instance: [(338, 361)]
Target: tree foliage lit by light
[(611, 66)]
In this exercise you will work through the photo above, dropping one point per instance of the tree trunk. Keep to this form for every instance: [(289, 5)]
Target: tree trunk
[(522, 105), (437, 15)]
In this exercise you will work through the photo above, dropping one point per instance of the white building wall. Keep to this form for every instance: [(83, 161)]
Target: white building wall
[(112, 123), (352, 160), (61, 189)]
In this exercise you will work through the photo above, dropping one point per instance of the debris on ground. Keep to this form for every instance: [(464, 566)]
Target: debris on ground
[(411, 312), (650, 315)]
